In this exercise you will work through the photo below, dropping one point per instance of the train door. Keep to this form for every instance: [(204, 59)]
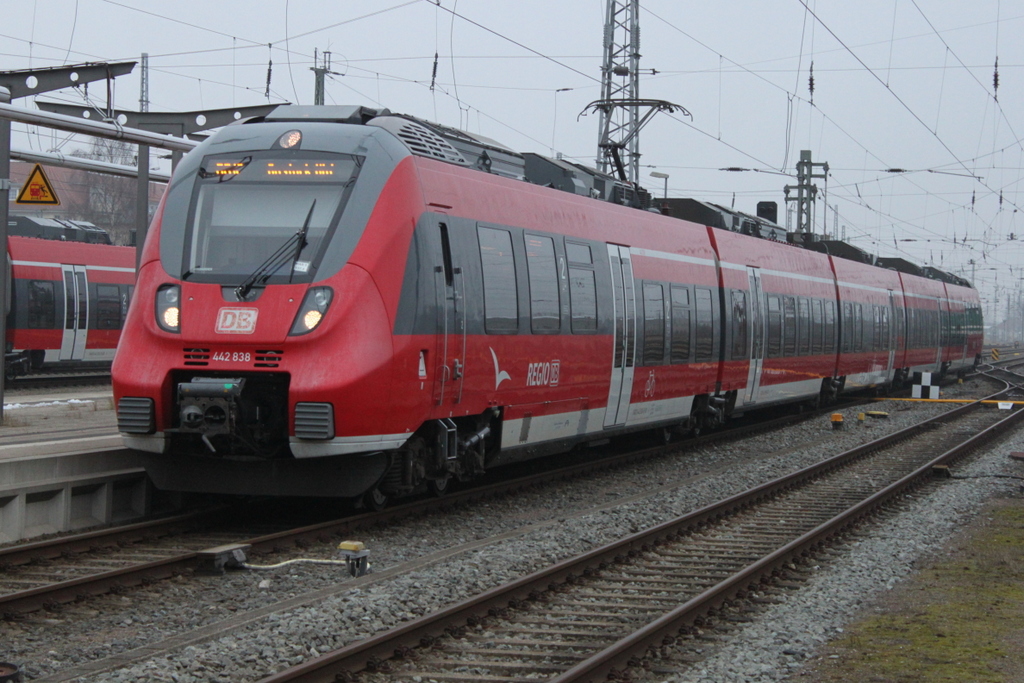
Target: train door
[(756, 333), (76, 313), (624, 303), (450, 286)]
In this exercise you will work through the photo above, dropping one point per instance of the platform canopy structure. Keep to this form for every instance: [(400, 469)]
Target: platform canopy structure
[(178, 124), (164, 130)]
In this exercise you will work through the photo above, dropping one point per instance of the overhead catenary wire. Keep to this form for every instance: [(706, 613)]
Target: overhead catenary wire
[(828, 123), (790, 96), (888, 89)]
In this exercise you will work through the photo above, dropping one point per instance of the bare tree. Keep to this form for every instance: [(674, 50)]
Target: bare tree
[(105, 200)]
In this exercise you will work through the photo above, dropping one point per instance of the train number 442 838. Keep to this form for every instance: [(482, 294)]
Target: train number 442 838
[(233, 356)]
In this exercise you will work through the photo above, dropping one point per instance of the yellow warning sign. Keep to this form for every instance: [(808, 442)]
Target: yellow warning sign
[(37, 189)]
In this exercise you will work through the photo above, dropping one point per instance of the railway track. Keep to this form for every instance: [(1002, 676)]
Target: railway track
[(35, 382), (597, 615), (46, 574)]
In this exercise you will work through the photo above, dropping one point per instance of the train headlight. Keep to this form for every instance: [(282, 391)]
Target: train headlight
[(168, 312), (290, 139), (312, 310)]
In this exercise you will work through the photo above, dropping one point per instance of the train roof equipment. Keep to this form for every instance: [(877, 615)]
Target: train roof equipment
[(61, 229), (470, 150)]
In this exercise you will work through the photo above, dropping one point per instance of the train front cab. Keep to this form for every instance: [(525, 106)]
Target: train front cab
[(298, 340)]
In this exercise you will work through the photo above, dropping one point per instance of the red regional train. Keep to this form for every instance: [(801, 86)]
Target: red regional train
[(339, 301), (69, 295)]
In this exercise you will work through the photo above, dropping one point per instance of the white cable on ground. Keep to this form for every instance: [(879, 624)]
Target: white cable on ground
[(287, 562)]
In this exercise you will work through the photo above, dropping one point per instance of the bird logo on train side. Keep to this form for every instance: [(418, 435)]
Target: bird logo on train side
[(499, 374)]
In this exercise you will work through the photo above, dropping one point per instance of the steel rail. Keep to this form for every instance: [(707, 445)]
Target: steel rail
[(40, 597), (33, 599), (24, 553), (368, 653), (618, 656)]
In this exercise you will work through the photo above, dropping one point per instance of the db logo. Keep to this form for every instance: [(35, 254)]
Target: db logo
[(237, 320)]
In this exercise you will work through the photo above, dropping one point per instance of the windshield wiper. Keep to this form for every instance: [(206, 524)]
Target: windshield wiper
[(277, 259), (224, 175), (301, 244)]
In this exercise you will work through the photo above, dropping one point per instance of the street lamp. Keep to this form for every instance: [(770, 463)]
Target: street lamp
[(664, 176)]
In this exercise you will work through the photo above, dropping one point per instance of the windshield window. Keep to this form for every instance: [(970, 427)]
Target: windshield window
[(246, 206)]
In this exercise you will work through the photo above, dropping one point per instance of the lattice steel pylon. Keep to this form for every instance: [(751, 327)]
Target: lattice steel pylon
[(620, 80), (144, 84), (618, 142)]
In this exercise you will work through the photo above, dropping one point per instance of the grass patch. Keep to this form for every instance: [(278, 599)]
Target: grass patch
[(961, 619)]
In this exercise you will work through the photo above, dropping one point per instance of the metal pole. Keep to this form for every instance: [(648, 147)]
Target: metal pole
[(91, 165), (5, 195), (141, 204), (74, 124)]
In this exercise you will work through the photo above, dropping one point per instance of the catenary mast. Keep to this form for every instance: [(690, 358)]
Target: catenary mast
[(620, 81)]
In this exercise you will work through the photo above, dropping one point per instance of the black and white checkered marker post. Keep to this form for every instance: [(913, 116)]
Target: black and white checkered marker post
[(922, 387)]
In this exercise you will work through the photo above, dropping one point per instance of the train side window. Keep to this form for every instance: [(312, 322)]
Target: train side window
[(739, 325), (654, 324), (42, 305), (126, 300), (577, 253), (817, 345), (501, 304), (846, 328), (108, 307), (705, 345), (83, 301), (830, 327), (774, 327), (877, 342), (583, 300), (544, 302), (886, 331), (858, 326), (900, 325), (69, 300), (804, 314), (680, 325), (789, 326)]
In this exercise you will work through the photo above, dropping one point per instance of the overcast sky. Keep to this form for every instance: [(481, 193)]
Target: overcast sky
[(898, 84)]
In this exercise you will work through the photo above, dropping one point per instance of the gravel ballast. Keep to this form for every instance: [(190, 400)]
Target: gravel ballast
[(540, 526)]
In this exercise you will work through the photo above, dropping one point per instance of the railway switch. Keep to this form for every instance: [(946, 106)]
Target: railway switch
[(213, 561)]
